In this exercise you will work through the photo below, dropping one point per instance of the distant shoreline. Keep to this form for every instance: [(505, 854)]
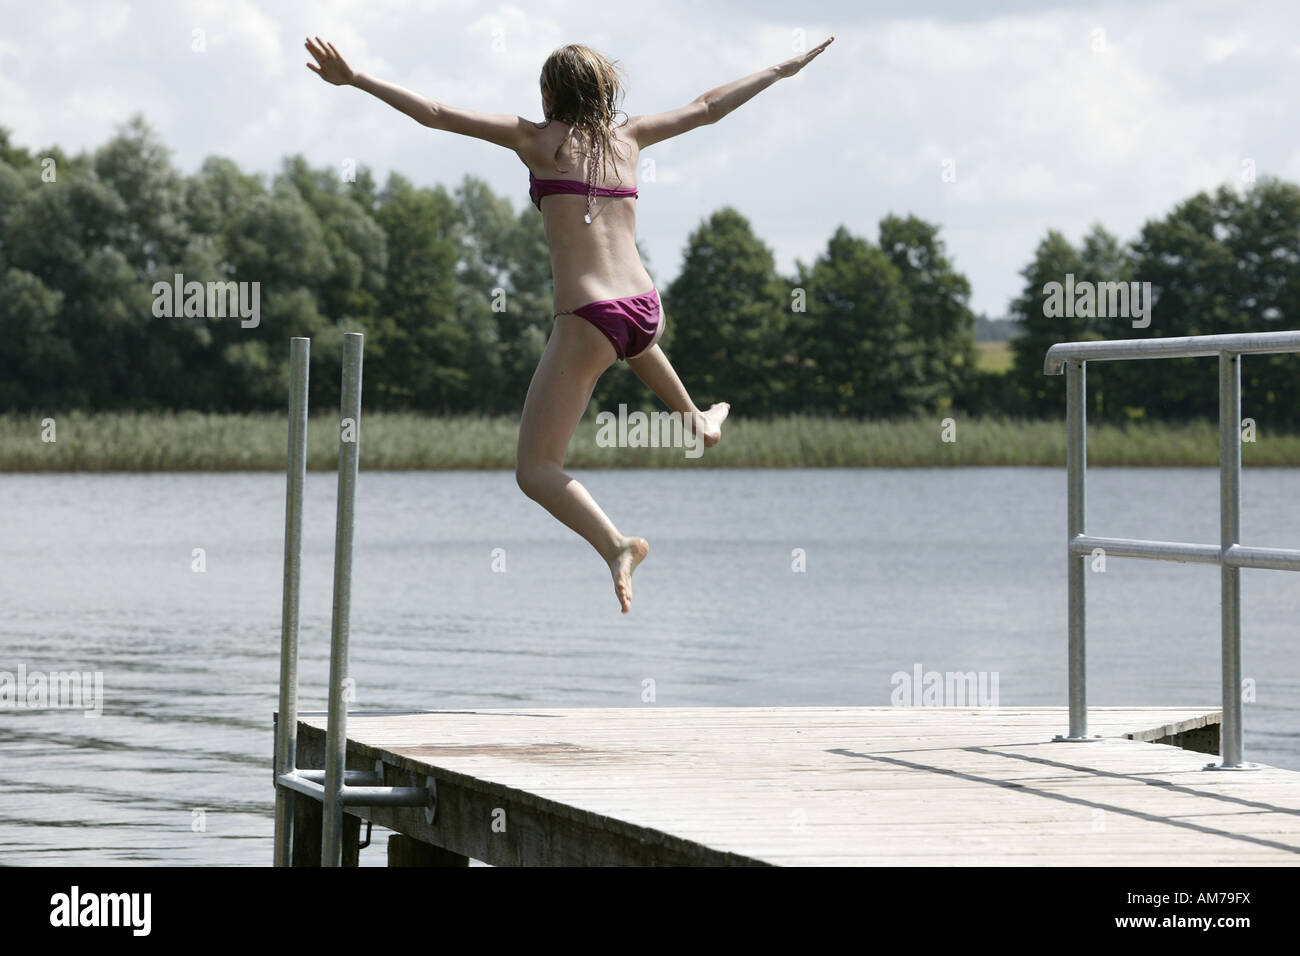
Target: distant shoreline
[(194, 441)]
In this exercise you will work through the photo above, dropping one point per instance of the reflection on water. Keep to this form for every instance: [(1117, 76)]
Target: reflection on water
[(960, 569)]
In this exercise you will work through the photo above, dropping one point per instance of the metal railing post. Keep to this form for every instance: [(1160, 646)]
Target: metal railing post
[(336, 736), (286, 736), (1076, 464), (1230, 738)]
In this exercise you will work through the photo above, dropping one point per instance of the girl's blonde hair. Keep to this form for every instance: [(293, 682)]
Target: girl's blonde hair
[(585, 91)]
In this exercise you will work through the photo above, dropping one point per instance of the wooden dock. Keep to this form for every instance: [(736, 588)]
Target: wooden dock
[(811, 786)]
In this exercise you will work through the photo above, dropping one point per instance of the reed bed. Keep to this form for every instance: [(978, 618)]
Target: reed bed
[(194, 441)]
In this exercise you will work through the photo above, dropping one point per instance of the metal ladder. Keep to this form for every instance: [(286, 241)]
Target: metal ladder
[(333, 786)]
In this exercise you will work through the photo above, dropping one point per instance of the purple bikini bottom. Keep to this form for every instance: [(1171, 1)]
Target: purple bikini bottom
[(629, 323)]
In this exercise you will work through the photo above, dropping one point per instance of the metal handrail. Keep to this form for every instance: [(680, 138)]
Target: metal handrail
[(1229, 554), (1184, 346)]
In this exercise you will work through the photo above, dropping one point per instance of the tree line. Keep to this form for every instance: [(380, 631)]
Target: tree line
[(453, 291)]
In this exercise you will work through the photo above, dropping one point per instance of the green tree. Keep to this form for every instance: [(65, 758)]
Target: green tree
[(33, 352), (1054, 260), (726, 317), (1221, 263), (427, 346), (941, 323), (851, 345)]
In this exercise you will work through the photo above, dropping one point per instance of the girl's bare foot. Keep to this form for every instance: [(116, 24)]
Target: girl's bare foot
[(623, 564), (709, 424)]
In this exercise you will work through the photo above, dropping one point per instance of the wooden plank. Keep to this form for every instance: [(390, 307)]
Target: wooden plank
[(821, 786)]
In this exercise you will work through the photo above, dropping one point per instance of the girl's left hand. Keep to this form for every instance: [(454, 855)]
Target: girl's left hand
[(332, 69)]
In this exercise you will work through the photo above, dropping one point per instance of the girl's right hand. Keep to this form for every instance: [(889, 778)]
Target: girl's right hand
[(792, 66)]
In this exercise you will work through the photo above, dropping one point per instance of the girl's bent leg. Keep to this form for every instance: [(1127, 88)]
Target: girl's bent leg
[(653, 368)]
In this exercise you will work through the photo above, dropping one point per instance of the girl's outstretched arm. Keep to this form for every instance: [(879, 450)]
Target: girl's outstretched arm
[(499, 128), (651, 128)]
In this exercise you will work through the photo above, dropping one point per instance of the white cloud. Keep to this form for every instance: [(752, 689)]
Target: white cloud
[(1218, 49)]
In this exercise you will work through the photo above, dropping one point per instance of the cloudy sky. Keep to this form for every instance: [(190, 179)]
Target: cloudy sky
[(1046, 115)]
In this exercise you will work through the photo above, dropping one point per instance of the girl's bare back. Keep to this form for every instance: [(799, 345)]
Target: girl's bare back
[(597, 260)]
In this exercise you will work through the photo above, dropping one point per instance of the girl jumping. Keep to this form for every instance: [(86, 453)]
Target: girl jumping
[(590, 227)]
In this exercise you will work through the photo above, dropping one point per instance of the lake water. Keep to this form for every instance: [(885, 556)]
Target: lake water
[(954, 570)]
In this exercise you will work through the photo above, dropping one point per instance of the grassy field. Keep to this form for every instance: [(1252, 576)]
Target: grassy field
[(190, 441), (993, 356)]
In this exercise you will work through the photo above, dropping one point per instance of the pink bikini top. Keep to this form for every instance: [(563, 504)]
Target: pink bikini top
[(537, 188)]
